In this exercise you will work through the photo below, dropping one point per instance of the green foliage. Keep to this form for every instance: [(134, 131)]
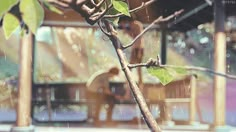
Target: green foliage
[(32, 14), (166, 75), (52, 8), (113, 11), (121, 6), (6, 5), (10, 24), (162, 74), (180, 70)]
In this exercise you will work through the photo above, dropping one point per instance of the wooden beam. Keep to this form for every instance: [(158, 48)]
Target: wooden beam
[(68, 16)]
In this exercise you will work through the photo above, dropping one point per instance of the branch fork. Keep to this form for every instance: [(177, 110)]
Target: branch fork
[(157, 21)]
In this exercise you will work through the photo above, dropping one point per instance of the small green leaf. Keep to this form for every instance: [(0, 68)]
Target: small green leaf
[(10, 24), (32, 14), (52, 8), (121, 6), (180, 70), (113, 11), (6, 5), (162, 74)]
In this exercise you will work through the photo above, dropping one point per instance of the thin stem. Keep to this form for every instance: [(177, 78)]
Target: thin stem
[(138, 96), (202, 69), (191, 68), (102, 29), (144, 4), (158, 20)]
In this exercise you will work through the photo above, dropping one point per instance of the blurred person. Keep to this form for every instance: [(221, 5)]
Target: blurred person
[(133, 28), (98, 90)]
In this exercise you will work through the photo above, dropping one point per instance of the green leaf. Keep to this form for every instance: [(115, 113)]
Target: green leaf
[(52, 8), (115, 20), (10, 24), (32, 14), (121, 6), (6, 5), (162, 74), (180, 70)]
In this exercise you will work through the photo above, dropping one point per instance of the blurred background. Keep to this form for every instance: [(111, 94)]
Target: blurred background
[(72, 55)]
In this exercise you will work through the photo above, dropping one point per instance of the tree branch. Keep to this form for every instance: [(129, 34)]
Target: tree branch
[(158, 20), (102, 29), (152, 62), (144, 4), (138, 96)]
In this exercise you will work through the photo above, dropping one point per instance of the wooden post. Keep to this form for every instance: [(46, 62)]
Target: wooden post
[(192, 116), (33, 92), (168, 114), (163, 46), (219, 64), (24, 88)]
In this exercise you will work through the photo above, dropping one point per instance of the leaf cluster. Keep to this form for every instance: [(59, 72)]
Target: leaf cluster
[(29, 14)]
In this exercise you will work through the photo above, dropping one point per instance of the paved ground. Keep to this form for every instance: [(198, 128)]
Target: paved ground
[(6, 128), (118, 128)]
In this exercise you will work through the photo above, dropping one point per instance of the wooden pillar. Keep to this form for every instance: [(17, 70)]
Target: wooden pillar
[(25, 78), (163, 46), (168, 114), (192, 116), (33, 68), (219, 63)]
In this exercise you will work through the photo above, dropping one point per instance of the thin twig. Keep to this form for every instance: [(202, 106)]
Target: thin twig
[(144, 4), (102, 29), (158, 20), (153, 62), (202, 69)]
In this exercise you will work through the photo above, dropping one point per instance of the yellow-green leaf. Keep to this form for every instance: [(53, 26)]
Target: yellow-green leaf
[(32, 14), (6, 5), (52, 8), (113, 11), (10, 24), (162, 74), (180, 70), (121, 6)]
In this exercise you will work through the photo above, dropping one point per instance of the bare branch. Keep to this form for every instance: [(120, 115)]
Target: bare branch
[(158, 20), (102, 29), (144, 4), (97, 5), (99, 15), (177, 13), (152, 62), (138, 96)]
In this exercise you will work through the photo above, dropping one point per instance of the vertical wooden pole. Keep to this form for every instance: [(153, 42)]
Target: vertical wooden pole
[(168, 114), (219, 63), (33, 91), (24, 88), (163, 46), (193, 84)]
